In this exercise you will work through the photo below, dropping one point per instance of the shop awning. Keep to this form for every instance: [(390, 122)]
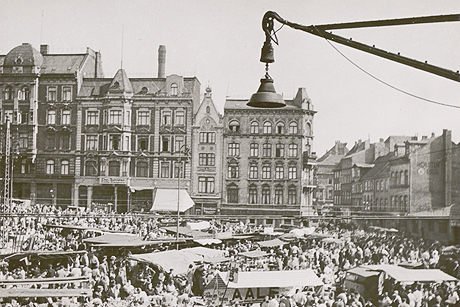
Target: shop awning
[(166, 200), (404, 275), (271, 243), (274, 279)]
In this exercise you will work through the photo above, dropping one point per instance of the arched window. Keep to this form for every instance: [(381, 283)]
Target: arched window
[(142, 169), (234, 126), (267, 127), (401, 174), (279, 128), (208, 109), (254, 127), (24, 93), (406, 177), (90, 168), (293, 128), (174, 89), (308, 128), (50, 167), (64, 167), (114, 168), (7, 93)]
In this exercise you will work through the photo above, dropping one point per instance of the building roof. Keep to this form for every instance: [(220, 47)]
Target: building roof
[(120, 83), (381, 164), (62, 63), (241, 104), (24, 55)]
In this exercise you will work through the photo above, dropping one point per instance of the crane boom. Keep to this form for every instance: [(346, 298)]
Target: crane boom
[(320, 30)]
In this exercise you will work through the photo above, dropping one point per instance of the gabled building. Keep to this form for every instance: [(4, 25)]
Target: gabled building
[(207, 152), (135, 141), (268, 163), (324, 177), (38, 91)]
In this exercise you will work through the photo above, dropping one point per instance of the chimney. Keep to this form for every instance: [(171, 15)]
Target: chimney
[(161, 61), (44, 49)]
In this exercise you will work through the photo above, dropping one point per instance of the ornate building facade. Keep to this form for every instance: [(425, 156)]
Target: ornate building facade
[(268, 163), (38, 98)]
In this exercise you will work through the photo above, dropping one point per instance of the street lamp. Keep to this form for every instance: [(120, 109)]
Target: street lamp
[(185, 150)]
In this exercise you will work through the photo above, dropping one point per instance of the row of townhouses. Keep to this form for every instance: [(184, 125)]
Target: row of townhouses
[(403, 182), (148, 144)]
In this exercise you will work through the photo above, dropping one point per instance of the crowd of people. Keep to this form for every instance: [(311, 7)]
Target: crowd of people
[(116, 280)]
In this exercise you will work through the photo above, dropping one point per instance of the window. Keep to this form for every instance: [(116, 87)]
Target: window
[(232, 194), (233, 171), (254, 127), (142, 169), (92, 117), (64, 167), (233, 149), (91, 142), (52, 93), (50, 167), (174, 88), (142, 143), (24, 93), (179, 120), (267, 127), (207, 159), (308, 129), (143, 118), (267, 150), (265, 195), (66, 93), (234, 126), (65, 141), (114, 168), (253, 172), (166, 118), (406, 177), (252, 195), (254, 150), (207, 137), (279, 128), (114, 142), (24, 167), (278, 196), (406, 203), (178, 143), (164, 171), (8, 93), (50, 141), (205, 184), (279, 172), (293, 128), (292, 150), (266, 172), (65, 117), (115, 117), (23, 117), (292, 172), (23, 140), (165, 143), (279, 151), (292, 196), (90, 168), (51, 117)]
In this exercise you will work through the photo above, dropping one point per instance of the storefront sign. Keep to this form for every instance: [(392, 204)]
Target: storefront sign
[(113, 180)]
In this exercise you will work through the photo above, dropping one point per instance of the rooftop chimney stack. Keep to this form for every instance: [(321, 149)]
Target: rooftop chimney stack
[(44, 49), (161, 61)]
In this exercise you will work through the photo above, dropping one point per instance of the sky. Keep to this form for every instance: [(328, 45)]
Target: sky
[(219, 42)]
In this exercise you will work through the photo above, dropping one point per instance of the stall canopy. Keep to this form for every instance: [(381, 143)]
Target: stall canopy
[(254, 254), (272, 243), (199, 225), (179, 260), (275, 279), (166, 200), (405, 275)]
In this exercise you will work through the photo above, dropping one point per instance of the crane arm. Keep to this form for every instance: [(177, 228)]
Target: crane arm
[(320, 30)]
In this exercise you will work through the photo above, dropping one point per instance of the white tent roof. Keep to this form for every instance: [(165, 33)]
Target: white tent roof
[(275, 279), (166, 200)]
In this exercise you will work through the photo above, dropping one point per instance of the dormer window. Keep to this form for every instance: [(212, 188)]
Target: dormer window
[(18, 60), (234, 126), (174, 89)]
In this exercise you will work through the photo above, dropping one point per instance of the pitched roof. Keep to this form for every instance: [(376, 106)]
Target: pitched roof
[(62, 63), (240, 104)]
